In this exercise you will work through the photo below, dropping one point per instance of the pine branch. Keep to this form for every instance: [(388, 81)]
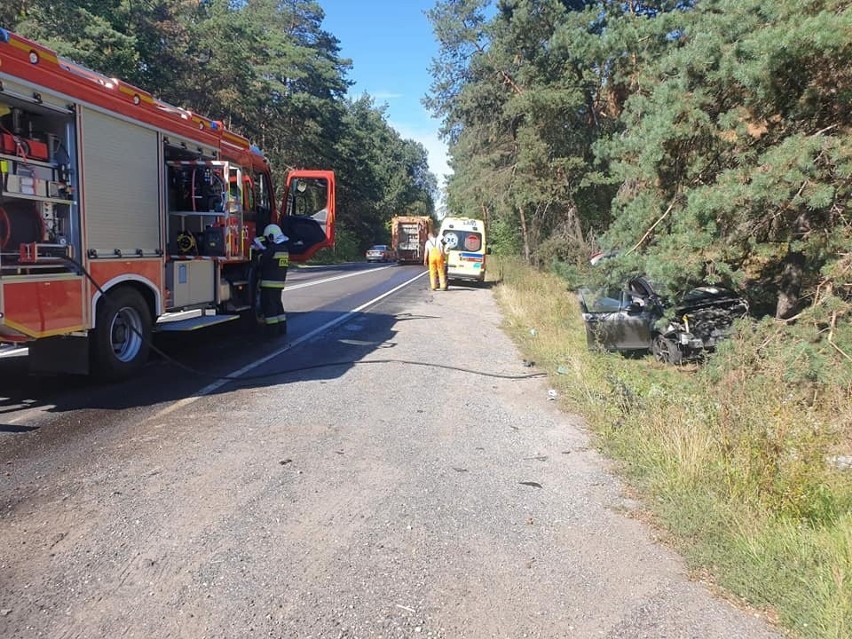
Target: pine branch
[(821, 131), (831, 337), (650, 230), (507, 79)]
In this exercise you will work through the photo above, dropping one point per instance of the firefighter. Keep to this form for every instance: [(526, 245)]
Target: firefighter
[(273, 264), (433, 256)]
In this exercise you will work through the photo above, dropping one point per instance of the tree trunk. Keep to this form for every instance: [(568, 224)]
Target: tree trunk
[(790, 286), (524, 234)]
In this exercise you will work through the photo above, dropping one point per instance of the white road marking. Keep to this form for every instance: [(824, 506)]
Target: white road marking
[(12, 352), (210, 388), (335, 278)]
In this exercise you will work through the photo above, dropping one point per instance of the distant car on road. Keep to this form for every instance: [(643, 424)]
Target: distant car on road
[(381, 253), (628, 319)]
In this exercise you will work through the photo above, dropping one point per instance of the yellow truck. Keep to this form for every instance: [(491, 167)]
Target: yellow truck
[(408, 235)]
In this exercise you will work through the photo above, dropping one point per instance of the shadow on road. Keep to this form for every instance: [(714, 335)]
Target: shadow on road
[(192, 362), (13, 428)]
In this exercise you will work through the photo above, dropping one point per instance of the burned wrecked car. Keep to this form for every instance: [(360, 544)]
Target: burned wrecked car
[(636, 318)]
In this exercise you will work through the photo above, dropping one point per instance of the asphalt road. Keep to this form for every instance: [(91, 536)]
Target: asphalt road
[(398, 473), (316, 298)]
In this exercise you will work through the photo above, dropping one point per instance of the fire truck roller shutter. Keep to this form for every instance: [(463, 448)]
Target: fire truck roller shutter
[(121, 173)]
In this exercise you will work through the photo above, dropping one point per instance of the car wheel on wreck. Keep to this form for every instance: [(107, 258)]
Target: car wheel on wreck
[(666, 350)]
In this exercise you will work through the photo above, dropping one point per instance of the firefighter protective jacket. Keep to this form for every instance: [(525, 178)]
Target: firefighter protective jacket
[(274, 262)]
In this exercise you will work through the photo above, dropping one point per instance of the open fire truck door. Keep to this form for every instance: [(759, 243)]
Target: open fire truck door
[(308, 212)]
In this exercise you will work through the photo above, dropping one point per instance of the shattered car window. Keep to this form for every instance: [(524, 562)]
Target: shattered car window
[(602, 300)]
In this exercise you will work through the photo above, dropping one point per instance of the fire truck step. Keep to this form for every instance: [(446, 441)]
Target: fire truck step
[(193, 323)]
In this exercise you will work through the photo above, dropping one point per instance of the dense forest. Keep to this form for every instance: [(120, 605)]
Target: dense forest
[(269, 70), (701, 140)]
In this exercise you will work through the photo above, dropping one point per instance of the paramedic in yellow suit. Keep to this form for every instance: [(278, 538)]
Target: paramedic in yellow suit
[(433, 257)]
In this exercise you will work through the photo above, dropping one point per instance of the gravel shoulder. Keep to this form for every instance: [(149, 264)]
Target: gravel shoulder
[(375, 500)]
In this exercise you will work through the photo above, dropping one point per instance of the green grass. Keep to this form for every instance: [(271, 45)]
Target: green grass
[(729, 457)]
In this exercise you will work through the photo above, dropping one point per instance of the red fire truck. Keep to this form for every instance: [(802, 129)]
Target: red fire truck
[(121, 215)]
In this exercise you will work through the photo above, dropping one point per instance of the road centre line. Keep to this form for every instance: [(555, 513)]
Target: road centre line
[(333, 279), (207, 390), (242, 371)]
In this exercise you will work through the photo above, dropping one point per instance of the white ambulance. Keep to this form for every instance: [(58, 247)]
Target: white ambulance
[(466, 246)]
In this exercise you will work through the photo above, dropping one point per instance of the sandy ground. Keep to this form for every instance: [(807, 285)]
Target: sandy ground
[(375, 500)]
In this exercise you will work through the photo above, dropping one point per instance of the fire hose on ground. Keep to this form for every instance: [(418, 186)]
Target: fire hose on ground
[(246, 378)]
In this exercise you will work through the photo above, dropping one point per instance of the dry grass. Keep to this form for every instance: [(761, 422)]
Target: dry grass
[(730, 457)]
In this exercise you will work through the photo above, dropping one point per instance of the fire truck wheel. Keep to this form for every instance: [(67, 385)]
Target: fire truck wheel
[(122, 335)]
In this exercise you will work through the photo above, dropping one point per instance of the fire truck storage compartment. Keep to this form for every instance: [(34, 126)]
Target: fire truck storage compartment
[(122, 186), (192, 282), (37, 181), (22, 133), (205, 205), (20, 223)]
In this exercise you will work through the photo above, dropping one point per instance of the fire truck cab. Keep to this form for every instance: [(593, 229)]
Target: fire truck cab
[(121, 215)]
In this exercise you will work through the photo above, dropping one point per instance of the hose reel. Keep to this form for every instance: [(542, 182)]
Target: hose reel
[(186, 243)]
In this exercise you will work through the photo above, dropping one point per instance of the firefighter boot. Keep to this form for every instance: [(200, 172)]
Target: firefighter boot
[(282, 328)]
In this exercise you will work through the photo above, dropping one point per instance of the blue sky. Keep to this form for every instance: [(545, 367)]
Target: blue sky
[(391, 45)]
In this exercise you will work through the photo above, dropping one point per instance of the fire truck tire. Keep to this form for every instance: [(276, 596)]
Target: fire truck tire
[(121, 339)]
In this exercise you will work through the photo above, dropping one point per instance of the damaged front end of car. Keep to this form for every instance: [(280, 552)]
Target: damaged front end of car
[(702, 318), (636, 318)]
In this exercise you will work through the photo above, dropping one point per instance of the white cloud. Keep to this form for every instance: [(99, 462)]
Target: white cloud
[(385, 95)]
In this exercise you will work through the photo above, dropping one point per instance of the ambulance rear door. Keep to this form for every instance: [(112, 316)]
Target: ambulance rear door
[(466, 244)]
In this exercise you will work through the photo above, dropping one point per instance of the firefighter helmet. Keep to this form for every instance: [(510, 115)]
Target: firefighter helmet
[(274, 233)]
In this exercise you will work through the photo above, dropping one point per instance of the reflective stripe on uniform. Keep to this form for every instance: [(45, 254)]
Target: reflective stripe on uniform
[(271, 284)]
